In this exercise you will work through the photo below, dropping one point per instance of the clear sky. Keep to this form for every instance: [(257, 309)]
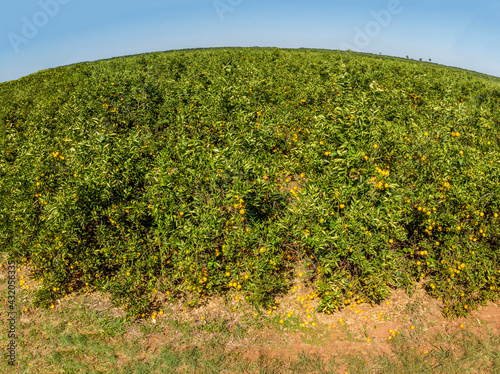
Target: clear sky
[(40, 34)]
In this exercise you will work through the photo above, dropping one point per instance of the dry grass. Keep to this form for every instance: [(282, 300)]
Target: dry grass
[(85, 334)]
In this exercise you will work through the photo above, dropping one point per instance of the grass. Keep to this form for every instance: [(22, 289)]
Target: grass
[(86, 334), (250, 176)]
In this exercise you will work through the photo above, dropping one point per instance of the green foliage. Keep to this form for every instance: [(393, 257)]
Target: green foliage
[(204, 171)]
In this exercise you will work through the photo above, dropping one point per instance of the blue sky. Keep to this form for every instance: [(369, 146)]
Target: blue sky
[(41, 34)]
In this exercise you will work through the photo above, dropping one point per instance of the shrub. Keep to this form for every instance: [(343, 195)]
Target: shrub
[(195, 173)]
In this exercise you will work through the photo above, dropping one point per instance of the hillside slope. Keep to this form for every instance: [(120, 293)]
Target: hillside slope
[(192, 173)]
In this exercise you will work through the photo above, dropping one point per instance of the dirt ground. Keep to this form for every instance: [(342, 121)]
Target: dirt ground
[(291, 328)]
